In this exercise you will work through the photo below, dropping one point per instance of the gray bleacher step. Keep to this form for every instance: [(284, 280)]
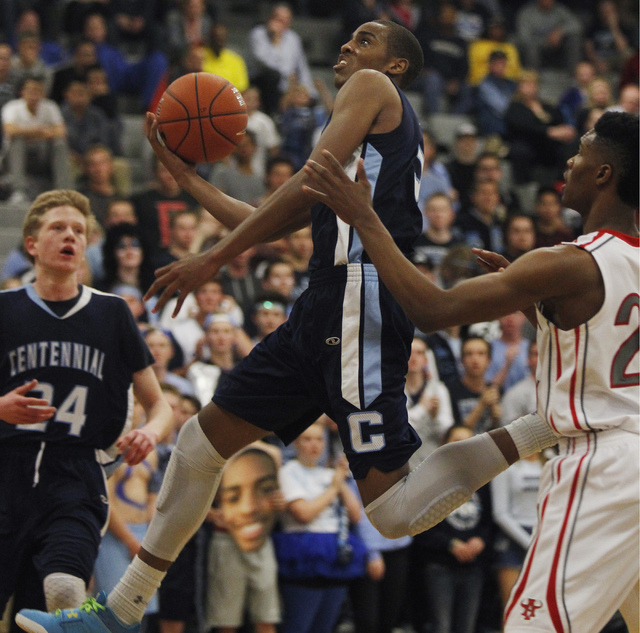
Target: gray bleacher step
[(9, 239), (11, 216)]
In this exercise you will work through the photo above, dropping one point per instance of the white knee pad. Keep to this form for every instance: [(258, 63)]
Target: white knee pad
[(63, 591), (187, 491), (437, 486)]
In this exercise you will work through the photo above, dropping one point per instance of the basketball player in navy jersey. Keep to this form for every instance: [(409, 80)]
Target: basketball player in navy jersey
[(344, 349), (68, 356), (582, 564)]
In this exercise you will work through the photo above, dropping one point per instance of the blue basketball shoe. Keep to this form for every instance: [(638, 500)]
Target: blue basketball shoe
[(93, 616)]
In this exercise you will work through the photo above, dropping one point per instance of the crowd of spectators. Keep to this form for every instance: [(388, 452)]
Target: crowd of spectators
[(70, 69)]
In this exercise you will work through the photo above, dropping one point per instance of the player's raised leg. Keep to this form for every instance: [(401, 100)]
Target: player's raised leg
[(450, 475)]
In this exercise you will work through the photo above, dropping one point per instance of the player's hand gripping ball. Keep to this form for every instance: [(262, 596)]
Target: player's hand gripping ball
[(201, 117)]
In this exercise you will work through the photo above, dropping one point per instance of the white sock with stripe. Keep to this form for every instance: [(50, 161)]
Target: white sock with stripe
[(129, 598)]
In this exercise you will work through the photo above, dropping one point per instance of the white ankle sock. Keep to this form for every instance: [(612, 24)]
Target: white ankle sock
[(130, 597), (64, 591)]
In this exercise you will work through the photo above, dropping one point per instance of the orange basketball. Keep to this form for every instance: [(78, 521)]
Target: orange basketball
[(201, 117)]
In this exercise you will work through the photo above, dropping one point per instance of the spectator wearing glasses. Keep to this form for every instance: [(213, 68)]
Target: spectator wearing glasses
[(124, 259)]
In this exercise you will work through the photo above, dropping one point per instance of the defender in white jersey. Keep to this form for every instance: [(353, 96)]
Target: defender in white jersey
[(588, 390), (582, 564)]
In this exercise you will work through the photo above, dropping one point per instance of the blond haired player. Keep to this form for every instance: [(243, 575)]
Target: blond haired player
[(68, 358)]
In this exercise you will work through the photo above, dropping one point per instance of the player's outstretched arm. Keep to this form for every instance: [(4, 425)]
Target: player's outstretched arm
[(496, 263), (17, 408), (558, 273), (187, 274), (359, 106), (229, 211)]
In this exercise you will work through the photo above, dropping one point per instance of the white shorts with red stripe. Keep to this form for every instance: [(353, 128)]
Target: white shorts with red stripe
[(583, 560)]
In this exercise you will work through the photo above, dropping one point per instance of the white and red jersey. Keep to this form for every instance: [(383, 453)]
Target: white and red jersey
[(588, 378)]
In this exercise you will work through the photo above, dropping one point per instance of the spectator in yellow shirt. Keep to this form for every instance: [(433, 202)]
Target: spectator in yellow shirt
[(479, 51), (220, 60)]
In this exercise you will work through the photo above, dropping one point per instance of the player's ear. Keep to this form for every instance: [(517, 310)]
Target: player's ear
[(398, 66), (605, 173), (30, 245)]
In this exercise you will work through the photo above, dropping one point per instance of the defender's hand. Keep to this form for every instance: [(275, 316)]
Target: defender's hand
[(349, 200), (490, 261)]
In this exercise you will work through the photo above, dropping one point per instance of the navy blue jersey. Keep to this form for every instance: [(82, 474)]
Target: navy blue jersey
[(84, 362), (344, 349), (393, 164)]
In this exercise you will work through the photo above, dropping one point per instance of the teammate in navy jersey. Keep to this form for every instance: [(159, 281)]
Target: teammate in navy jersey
[(68, 357), (583, 298), (344, 349)]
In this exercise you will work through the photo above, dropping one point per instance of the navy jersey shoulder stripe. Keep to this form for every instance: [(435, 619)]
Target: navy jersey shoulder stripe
[(393, 163)]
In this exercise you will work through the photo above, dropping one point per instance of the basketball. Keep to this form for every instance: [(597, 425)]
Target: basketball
[(201, 117)]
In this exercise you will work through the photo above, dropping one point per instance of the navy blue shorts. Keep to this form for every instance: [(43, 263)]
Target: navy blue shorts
[(343, 351), (55, 525)]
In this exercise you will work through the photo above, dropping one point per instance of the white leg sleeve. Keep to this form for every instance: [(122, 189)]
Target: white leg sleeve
[(63, 591), (437, 486), (187, 491)]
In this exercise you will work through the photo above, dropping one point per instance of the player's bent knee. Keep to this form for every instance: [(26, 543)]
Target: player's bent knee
[(437, 486)]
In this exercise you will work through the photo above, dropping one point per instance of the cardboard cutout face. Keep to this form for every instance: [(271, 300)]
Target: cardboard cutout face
[(246, 499)]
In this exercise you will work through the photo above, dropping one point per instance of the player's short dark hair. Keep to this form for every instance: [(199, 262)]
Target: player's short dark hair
[(403, 43), (617, 134)]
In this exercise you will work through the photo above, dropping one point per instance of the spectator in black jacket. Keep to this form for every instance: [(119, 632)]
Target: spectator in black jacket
[(444, 80), (84, 57), (456, 559), (536, 133)]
